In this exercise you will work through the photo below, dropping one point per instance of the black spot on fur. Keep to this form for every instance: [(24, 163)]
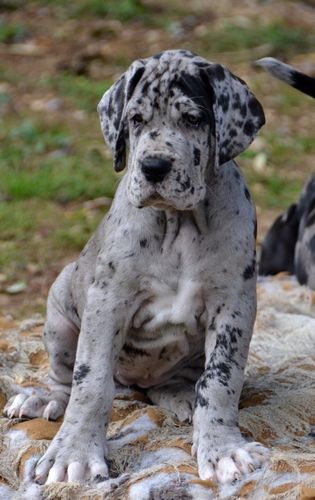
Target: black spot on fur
[(219, 370), (80, 373), (111, 266), (249, 271), (311, 244), (219, 72), (255, 228), (198, 89), (201, 401), (143, 243), (233, 331), (196, 156), (249, 128), (243, 110), (246, 192), (145, 87), (186, 184), (301, 272), (224, 101), (222, 341), (154, 134), (256, 109)]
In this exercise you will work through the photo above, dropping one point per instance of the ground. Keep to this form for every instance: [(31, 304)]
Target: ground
[(57, 58)]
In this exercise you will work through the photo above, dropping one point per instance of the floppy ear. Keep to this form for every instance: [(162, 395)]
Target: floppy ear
[(238, 114), (111, 109)]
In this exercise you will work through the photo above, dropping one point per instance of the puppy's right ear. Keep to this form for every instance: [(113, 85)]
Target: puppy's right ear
[(112, 108)]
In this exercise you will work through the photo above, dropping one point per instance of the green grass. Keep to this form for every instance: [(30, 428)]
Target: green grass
[(39, 232), (279, 183), (12, 32), (48, 161), (284, 149), (81, 92), (124, 10), (280, 38), (148, 13)]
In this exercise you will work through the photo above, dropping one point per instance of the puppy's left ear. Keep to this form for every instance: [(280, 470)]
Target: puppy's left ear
[(238, 114), (111, 110)]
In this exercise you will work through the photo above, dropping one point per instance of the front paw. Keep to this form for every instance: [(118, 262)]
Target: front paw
[(224, 456), (73, 455)]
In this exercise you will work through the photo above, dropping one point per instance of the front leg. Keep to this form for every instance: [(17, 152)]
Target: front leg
[(78, 450), (223, 454)]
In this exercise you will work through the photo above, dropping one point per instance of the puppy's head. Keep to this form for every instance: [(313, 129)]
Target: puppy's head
[(181, 117)]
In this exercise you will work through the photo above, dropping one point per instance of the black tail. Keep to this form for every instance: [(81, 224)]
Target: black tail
[(288, 74)]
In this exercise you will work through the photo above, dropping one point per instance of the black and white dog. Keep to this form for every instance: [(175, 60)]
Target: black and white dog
[(289, 244), (163, 295)]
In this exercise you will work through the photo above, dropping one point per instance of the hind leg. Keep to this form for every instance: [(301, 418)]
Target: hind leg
[(60, 339)]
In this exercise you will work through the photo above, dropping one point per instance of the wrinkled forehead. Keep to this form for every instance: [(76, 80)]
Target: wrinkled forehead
[(173, 76)]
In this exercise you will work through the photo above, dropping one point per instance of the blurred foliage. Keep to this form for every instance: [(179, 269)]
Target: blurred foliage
[(82, 92), (39, 232), (12, 32), (123, 9), (280, 38), (43, 161)]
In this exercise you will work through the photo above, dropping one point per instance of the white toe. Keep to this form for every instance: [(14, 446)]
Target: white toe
[(56, 473), (227, 472), (243, 461), (99, 472), (76, 472)]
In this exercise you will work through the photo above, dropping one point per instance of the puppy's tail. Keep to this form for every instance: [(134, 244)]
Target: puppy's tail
[(288, 74)]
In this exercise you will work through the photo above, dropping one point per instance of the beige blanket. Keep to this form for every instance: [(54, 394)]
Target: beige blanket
[(149, 449)]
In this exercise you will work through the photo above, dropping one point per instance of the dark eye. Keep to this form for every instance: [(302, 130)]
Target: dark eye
[(137, 119), (192, 120)]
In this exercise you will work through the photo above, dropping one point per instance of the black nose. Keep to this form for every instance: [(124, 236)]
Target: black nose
[(155, 169)]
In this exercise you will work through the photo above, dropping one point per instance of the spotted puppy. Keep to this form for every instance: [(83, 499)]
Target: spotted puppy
[(163, 294), (289, 244)]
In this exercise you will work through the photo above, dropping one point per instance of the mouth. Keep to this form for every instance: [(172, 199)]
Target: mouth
[(155, 200)]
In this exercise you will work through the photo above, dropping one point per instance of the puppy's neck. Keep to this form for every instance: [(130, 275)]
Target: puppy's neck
[(180, 222)]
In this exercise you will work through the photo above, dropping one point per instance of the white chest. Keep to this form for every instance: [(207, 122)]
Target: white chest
[(168, 306)]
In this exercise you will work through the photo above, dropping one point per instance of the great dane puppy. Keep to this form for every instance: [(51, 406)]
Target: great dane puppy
[(289, 244), (163, 295)]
